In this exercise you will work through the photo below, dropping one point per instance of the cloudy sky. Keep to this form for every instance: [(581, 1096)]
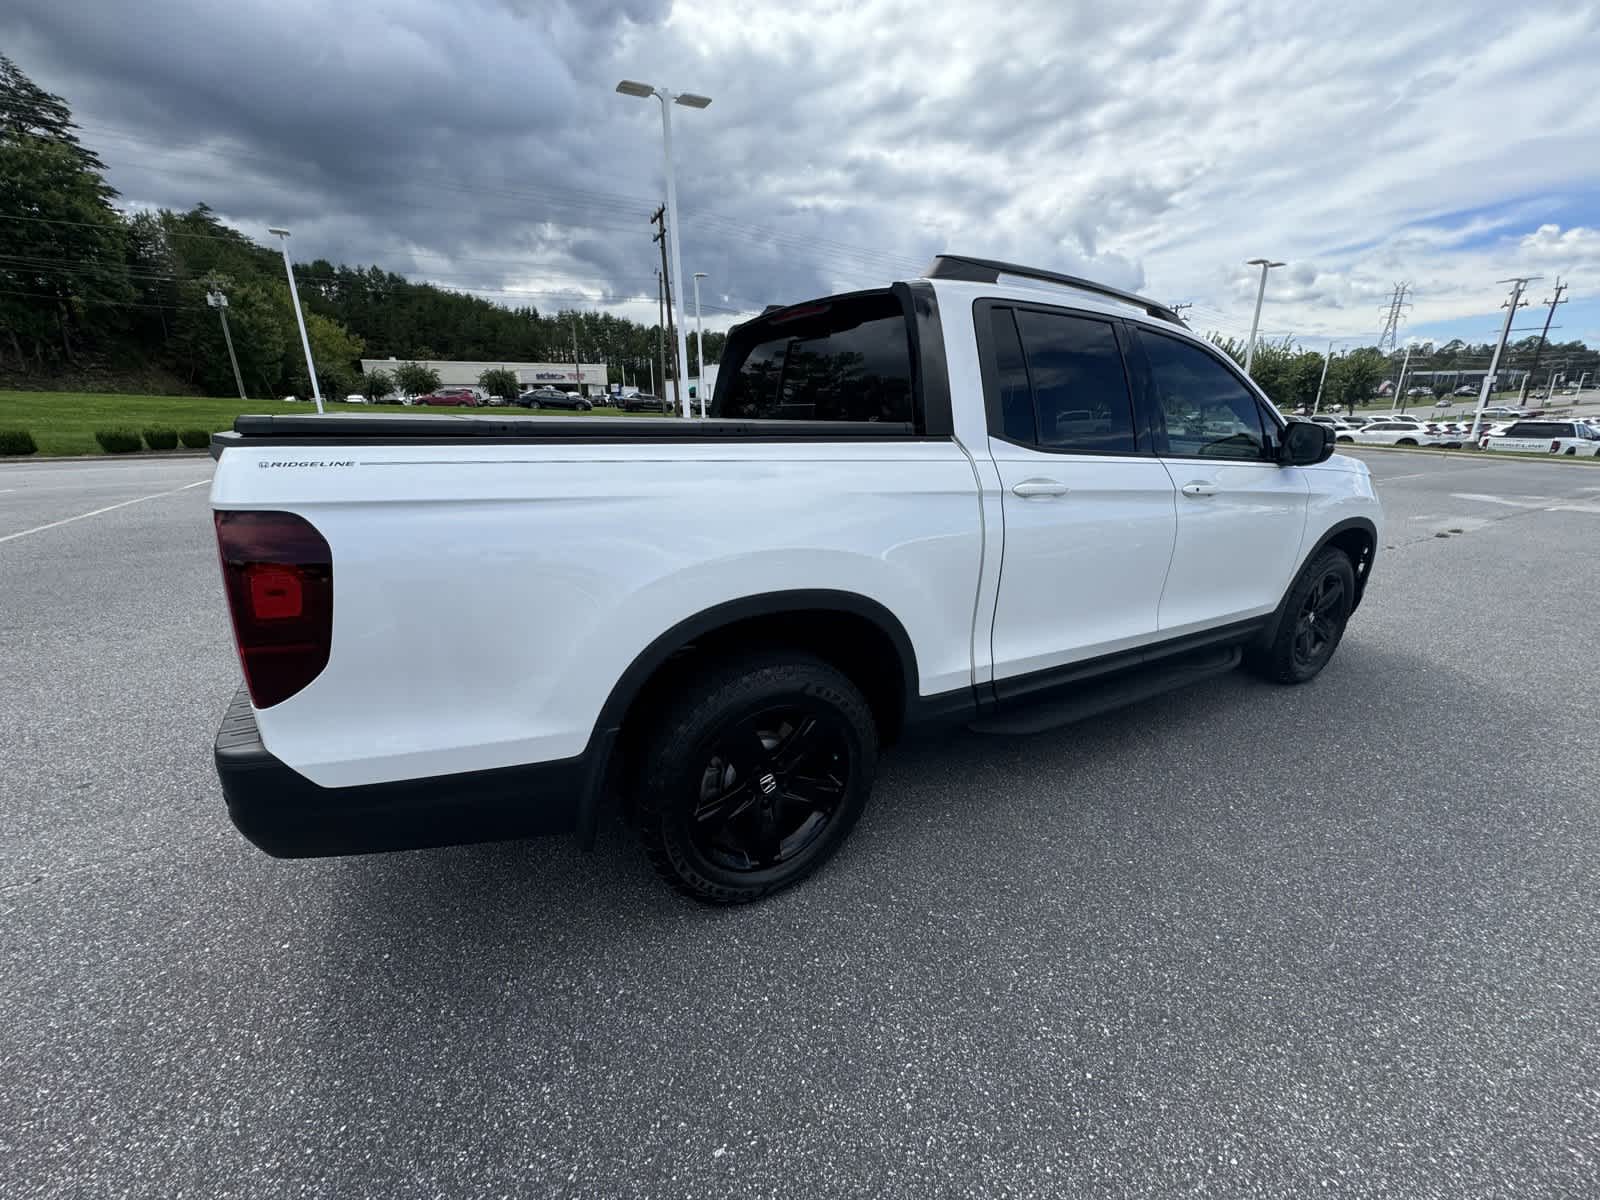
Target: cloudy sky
[(481, 144)]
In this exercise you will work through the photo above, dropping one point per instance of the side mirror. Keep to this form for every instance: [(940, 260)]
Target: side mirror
[(1305, 443)]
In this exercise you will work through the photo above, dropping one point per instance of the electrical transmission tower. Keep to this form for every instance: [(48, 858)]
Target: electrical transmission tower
[(1388, 341)]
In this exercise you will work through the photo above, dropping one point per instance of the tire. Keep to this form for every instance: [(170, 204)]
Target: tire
[(1302, 646), (754, 776), (1406, 442), (1342, 438)]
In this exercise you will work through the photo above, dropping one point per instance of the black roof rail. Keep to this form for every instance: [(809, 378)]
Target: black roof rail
[(988, 270)]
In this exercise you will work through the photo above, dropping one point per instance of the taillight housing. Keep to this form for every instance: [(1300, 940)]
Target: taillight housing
[(278, 574)]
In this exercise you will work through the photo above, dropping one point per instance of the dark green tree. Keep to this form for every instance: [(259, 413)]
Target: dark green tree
[(498, 381), (62, 244)]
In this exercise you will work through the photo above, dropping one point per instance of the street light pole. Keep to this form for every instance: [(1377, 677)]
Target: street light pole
[(700, 343), (1255, 321), (218, 300), (294, 294), (630, 87)]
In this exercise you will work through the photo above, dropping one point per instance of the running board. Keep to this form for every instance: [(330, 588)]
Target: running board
[(1096, 696)]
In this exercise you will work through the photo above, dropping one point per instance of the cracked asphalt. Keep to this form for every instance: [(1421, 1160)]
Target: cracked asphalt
[(1236, 941)]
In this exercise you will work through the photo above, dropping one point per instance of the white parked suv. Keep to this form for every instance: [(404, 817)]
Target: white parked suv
[(1570, 438), (990, 497), (1392, 431)]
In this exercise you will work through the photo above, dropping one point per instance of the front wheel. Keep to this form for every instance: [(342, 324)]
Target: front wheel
[(1406, 442), (1343, 438), (1314, 617), (756, 772)]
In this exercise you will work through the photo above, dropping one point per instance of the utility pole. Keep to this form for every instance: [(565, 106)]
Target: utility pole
[(1552, 302), (1389, 339), (661, 345), (577, 363), (1179, 309), (661, 236), (700, 344), (1400, 387), (1316, 405), (218, 300), (1515, 302)]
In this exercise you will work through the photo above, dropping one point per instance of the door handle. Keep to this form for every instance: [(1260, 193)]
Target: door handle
[(1040, 489), (1199, 489)]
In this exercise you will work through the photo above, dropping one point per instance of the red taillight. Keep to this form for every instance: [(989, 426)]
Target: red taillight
[(278, 573)]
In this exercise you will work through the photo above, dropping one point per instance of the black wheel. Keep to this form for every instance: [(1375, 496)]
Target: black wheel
[(755, 774), (1344, 438), (1313, 621), (1406, 442)]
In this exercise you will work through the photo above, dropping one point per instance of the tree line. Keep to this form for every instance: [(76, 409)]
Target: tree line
[(79, 277)]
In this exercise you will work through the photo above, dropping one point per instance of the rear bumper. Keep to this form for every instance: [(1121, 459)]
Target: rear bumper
[(288, 816)]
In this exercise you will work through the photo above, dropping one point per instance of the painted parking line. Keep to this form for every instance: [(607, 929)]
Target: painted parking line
[(11, 537)]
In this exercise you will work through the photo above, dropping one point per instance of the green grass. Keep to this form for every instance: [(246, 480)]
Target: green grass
[(65, 422)]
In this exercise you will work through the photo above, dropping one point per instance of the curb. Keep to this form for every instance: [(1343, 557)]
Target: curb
[(137, 456), (1479, 455)]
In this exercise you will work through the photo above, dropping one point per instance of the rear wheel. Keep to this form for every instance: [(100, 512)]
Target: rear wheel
[(754, 776), (1406, 442), (1313, 623)]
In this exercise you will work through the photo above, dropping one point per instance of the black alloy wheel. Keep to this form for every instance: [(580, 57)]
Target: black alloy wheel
[(1313, 620), (755, 772), (1316, 632), (771, 784)]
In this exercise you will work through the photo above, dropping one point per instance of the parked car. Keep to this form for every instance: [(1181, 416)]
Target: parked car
[(1570, 438), (1444, 402), (456, 397), (645, 402), (356, 398), (550, 397), (1395, 432), (738, 681), (1466, 389)]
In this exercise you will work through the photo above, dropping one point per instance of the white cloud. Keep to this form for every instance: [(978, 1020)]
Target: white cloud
[(1448, 144)]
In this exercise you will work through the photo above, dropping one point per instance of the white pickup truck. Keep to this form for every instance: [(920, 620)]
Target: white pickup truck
[(990, 497), (1571, 438)]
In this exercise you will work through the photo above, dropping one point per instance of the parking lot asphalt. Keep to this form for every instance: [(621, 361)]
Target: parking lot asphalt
[(1240, 940)]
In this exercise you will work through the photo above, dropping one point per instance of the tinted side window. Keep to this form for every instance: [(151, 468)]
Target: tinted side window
[(837, 360), (1208, 412), (1080, 390), (1539, 429), (1011, 373)]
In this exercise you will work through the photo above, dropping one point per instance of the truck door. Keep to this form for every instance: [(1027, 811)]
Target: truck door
[(1089, 511)]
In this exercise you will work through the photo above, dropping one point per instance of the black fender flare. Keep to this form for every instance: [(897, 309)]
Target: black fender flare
[(1363, 572), (608, 726)]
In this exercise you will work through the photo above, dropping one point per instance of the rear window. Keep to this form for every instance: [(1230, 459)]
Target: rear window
[(843, 359), (1540, 429)]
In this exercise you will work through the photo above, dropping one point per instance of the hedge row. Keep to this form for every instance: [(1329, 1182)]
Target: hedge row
[(126, 441), (16, 441)]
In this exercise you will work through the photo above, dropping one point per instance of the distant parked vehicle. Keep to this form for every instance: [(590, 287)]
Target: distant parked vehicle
[(1570, 438), (453, 397), (1395, 433), (645, 402), (356, 398), (554, 398), (1444, 402), (1466, 389)]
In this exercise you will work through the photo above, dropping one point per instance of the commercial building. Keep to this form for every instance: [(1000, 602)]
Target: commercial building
[(589, 379)]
